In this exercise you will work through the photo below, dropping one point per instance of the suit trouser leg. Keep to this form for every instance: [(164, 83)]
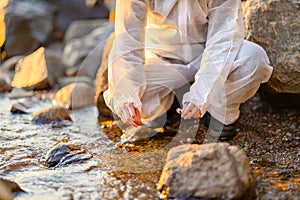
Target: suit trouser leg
[(249, 70)]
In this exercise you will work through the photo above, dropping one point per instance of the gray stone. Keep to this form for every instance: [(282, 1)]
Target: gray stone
[(37, 71), (87, 50), (73, 10), (80, 28), (9, 64), (27, 105), (29, 25), (75, 96), (67, 80), (64, 154), (275, 25), (214, 170), (18, 93)]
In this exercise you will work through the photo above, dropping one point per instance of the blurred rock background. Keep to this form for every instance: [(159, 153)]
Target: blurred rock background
[(48, 44)]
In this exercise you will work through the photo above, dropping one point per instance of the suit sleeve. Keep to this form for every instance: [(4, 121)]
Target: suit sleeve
[(224, 38), (126, 75)]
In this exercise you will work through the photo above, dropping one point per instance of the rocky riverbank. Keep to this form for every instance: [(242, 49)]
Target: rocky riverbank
[(270, 138), (66, 152)]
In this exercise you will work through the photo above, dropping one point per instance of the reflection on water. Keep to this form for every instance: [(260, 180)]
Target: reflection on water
[(112, 173), (128, 172)]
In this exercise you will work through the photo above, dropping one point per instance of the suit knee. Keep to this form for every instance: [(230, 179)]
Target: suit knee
[(256, 53)]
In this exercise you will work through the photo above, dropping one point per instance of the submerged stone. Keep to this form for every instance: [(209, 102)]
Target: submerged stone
[(63, 154)]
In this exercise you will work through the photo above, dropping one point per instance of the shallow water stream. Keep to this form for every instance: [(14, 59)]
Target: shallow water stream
[(117, 173), (112, 172)]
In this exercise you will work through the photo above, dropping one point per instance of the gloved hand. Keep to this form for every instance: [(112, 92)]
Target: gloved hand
[(130, 115), (189, 110)]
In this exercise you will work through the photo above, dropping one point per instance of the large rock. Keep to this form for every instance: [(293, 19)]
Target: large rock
[(29, 25), (275, 26), (37, 71), (208, 171), (75, 95), (87, 50)]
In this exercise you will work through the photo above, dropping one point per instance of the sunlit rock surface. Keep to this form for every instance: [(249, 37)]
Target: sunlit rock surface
[(75, 95), (214, 170), (275, 26), (29, 25), (37, 71), (3, 4)]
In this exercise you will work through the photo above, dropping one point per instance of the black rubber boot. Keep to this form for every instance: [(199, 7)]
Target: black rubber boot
[(225, 132)]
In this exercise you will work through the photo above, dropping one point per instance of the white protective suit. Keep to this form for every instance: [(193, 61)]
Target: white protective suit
[(161, 45)]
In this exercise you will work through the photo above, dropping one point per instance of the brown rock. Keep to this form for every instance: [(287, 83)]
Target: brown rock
[(8, 188), (51, 114), (4, 86), (214, 170), (36, 71), (75, 95), (275, 26)]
